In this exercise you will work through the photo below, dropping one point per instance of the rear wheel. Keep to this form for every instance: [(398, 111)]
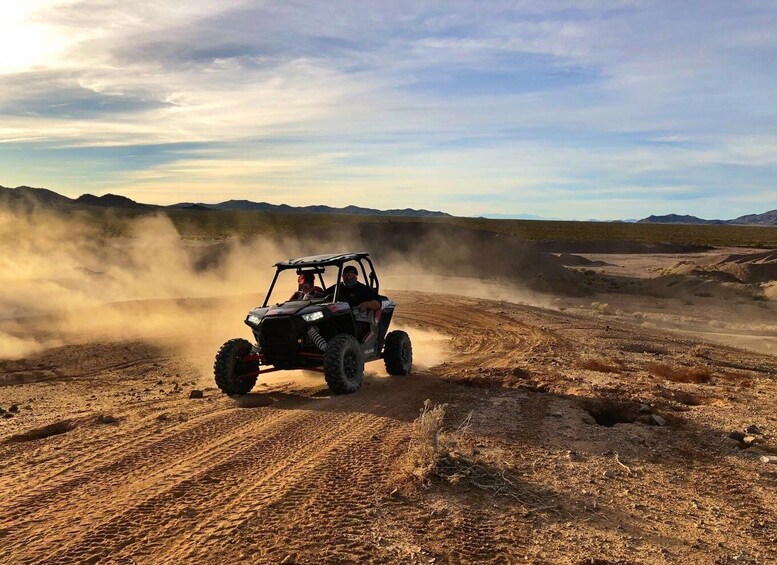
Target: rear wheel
[(343, 364), (233, 375), (398, 353)]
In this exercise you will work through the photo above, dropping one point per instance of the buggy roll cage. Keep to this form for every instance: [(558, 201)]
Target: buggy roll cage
[(317, 264)]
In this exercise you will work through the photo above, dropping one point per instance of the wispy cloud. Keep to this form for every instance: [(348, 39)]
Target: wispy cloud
[(400, 104)]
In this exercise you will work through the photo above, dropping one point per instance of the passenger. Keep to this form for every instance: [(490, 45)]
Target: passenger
[(307, 288), (357, 295)]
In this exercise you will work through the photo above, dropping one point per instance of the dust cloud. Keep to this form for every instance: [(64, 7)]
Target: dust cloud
[(66, 281), (429, 348)]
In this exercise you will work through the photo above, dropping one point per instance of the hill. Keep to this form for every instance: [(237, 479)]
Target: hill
[(678, 219), (765, 219), (27, 197), (248, 205)]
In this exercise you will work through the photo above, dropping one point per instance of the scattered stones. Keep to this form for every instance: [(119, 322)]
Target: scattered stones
[(14, 408), (196, 393), (755, 430), (747, 441), (658, 420), (2, 410), (7, 415), (163, 417), (769, 459), (107, 419), (738, 436)]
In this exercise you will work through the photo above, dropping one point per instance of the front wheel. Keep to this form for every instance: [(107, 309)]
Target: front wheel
[(398, 353), (233, 375), (343, 364)]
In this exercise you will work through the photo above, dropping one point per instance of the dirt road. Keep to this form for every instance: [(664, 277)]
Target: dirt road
[(612, 443)]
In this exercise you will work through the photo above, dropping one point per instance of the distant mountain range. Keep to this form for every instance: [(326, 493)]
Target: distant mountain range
[(766, 219), (28, 196)]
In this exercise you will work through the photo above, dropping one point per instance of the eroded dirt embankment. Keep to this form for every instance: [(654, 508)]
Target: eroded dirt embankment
[(616, 440)]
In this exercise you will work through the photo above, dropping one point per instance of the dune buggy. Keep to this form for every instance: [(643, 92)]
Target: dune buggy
[(315, 333)]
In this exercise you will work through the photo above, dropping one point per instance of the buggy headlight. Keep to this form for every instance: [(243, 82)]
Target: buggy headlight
[(253, 320), (313, 316)]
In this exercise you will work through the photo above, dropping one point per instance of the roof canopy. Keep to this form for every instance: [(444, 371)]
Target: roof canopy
[(321, 260)]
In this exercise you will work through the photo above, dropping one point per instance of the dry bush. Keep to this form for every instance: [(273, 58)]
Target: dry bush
[(592, 364), (684, 397), (739, 378), (434, 453), (700, 350), (680, 373), (427, 442), (602, 308)]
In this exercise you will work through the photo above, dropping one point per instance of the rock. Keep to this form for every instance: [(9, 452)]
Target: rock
[(107, 419), (738, 436), (163, 417), (645, 419), (7, 415), (290, 559), (645, 409), (747, 441), (769, 459), (14, 408), (196, 393), (753, 429), (2, 410), (658, 420), (588, 419)]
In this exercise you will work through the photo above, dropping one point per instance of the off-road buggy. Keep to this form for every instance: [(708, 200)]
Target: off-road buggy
[(317, 333)]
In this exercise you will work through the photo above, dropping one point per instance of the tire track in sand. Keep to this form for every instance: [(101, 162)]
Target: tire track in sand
[(233, 485)]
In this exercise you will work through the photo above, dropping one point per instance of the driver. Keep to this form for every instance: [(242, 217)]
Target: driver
[(357, 295)]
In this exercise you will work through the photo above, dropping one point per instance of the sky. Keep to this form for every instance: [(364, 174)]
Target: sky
[(560, 109)]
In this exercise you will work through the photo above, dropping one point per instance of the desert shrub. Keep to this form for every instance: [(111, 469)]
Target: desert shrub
[(739, 378), (684, 397), (681, 373), (591, 364), (427, 442), (601, 308), (435, 453), (700, 350)]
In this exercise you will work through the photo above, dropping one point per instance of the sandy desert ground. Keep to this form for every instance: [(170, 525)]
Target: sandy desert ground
[(632, 424)]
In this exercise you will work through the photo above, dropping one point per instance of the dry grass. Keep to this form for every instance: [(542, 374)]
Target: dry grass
[(686, 398), (681, 373), (435, 453), (601, 366), (427, 442), (602, 308), (738, 378), (245, 224), (700, 350)]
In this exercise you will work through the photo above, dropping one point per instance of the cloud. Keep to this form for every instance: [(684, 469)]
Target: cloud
[(396, 98)]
